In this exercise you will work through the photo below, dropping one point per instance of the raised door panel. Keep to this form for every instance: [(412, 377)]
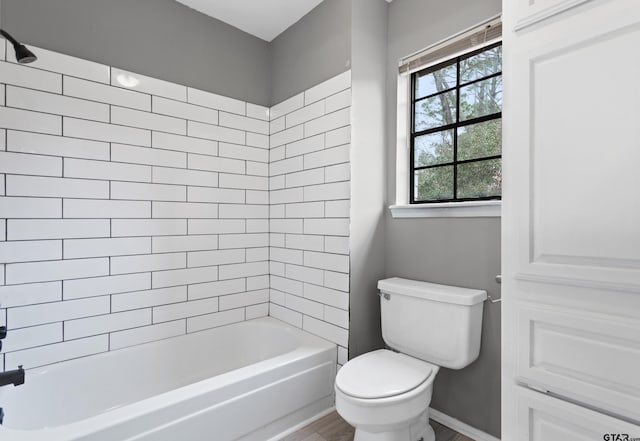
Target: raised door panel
[(584, 356), (579, 208), (542, 418)]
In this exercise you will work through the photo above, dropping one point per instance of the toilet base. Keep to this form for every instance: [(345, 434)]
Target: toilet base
[(419, 430)]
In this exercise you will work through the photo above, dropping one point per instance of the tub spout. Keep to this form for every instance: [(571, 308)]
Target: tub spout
[(15, 377)]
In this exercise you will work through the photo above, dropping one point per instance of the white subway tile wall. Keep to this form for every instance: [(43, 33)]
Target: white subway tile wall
[(133, 209), (309, 210)]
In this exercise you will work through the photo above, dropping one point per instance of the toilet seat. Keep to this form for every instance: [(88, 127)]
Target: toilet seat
[(382, 374), (399, 388)]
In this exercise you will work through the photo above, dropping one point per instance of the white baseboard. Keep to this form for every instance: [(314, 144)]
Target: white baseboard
[(304, 423), (460, 427)]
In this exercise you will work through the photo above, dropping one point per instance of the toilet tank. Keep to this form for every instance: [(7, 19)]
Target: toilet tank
[(440, 324)]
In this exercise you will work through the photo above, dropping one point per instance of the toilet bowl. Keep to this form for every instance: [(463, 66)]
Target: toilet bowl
[(385, 394)]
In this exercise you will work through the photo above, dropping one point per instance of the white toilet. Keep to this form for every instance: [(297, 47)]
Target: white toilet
[(384, 394)]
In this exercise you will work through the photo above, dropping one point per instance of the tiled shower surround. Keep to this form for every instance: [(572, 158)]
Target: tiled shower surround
[(132, 214), (309, 191)]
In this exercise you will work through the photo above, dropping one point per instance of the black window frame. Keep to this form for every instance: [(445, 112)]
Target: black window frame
[(414, 134)]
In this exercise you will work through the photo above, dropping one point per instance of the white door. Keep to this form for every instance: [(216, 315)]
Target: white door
[(571, 220)]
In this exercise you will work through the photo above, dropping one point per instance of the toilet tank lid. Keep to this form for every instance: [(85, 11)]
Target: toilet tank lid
[(432, 291)]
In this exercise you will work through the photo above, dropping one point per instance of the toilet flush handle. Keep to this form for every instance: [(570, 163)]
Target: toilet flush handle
[(498, 281), (386, 296)]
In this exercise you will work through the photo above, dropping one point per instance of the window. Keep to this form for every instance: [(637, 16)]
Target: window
[(456, 129)]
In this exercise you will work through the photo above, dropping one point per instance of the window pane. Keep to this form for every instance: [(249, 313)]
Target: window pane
[(480, 140), (434, 148), (434, 184), (481, 98), (481, 65), (434, 82), (436, 111), (479, 179)]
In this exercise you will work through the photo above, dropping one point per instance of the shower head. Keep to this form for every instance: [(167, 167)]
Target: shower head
[(23, 54)]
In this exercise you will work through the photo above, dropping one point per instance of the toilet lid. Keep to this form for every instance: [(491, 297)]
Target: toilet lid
[(381, 374)]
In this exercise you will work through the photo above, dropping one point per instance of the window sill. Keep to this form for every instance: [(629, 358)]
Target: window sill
[(449, 209)]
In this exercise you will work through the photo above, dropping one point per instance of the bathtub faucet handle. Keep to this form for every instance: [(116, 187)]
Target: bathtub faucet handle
[(15, 377), (3, 332)]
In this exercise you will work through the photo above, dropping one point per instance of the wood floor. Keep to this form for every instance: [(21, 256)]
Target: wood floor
[(334, 428)]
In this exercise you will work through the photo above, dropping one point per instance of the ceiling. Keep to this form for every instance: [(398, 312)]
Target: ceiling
[(266, 19)]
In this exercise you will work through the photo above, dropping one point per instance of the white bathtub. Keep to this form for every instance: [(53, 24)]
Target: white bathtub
[(248, 381)]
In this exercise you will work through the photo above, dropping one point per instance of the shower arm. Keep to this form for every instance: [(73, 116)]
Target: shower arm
[(8, 36)]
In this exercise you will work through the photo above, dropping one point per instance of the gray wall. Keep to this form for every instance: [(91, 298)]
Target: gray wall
[(463, 252), (314, 49), (159, 38), (368, 41)]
